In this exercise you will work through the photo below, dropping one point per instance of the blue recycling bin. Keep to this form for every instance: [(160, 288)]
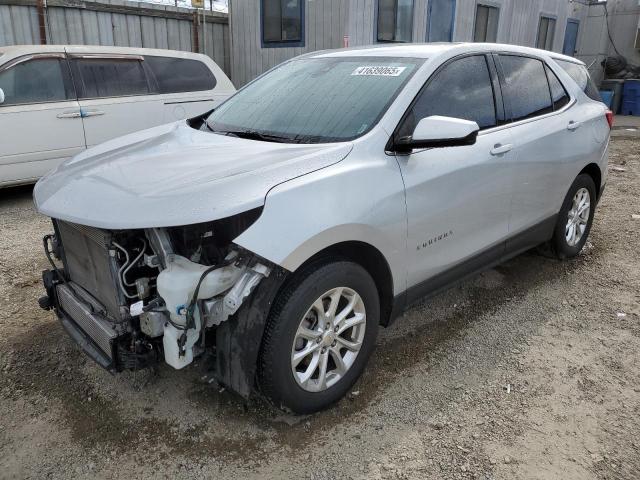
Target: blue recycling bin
[(607, 97), (631, 98)]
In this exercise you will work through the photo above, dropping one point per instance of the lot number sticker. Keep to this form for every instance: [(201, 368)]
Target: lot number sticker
[(378, 71)]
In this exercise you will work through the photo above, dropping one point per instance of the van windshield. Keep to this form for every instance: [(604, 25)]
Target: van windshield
[(315, 100)]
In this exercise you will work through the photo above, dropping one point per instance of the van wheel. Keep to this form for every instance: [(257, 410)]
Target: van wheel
[(575, 218), (320, 333)]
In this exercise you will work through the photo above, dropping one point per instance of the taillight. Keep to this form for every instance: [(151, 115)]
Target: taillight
[(609, 116)]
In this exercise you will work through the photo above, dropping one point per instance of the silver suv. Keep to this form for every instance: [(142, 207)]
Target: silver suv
[(272, 236)]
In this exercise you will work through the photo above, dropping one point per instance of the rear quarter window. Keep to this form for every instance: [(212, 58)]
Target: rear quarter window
[(177, 75), (580, 75)]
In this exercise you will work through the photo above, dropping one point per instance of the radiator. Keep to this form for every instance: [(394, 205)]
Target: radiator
[(79, 310), (89, 264)]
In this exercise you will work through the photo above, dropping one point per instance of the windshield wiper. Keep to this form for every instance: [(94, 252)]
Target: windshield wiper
[(255, 135)]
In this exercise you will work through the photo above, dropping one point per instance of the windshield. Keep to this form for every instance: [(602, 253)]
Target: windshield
[(313, 100)]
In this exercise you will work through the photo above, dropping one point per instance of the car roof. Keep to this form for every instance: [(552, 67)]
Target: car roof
[(427, 50)]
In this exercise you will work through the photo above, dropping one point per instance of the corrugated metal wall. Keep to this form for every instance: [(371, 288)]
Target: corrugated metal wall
[(324, 28), (160, 27), (518, 22)]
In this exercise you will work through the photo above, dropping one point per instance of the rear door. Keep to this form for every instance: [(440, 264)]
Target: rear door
[(549, 141), (40, 120), (458, 197), (115, 94)]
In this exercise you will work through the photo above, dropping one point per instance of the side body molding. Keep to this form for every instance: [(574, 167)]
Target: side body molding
[(305, 215)]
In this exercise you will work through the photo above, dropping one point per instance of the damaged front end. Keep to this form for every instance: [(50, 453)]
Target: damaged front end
[(131, 298)]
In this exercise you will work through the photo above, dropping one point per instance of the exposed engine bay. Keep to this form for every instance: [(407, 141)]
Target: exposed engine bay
[(131, 298)]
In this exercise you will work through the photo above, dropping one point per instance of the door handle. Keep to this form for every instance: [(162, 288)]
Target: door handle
[(71, 114), (573, 125), (499, 149), (91, 113)]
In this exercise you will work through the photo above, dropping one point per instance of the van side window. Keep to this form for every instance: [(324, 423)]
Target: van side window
[(462, 89), (176, 75), (559, 95), (526, 87), (35, 81), (106, 77)]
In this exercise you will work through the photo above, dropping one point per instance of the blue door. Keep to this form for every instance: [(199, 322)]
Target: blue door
[(571, 37), (441, 16)]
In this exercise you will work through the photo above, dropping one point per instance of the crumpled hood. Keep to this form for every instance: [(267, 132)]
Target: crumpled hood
[(173, 175)]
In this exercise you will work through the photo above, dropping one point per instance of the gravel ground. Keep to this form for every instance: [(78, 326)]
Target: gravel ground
[(529, 370)]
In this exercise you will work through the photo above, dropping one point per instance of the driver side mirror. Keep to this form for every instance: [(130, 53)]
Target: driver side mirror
[(437, 131), (1, 96)]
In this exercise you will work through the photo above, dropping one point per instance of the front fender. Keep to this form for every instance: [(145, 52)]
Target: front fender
[(355, 200)]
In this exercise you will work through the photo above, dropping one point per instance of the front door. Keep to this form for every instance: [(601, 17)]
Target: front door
[(571, 37), (457, 197), (39, 118)]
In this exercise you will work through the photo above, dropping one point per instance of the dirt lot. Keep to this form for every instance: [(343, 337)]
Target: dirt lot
[(530, 370)]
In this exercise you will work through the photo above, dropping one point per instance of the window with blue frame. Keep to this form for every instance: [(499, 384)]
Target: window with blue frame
[(440, 21), (282, 23), (395, 21)]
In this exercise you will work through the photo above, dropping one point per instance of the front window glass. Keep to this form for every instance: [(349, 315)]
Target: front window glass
[(395, 20), (315, 99), (281, 21), (462, 89), (546, 33), (486, 25), (34, 81)]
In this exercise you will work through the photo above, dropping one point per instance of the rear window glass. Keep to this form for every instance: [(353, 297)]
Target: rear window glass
[(104, 77), (527, 87), (580, 75), (175, 75)]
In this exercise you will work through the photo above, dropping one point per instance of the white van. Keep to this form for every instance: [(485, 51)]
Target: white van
[(55, 100)]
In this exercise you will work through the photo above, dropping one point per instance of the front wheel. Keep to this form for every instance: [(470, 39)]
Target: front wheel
[(319, 336), (575, 218)]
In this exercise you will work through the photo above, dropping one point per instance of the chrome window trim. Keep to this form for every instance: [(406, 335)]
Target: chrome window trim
[(107, 56), (529, 120), (31, 56), (25, 58)]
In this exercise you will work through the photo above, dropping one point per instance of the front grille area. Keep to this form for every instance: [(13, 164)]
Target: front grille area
[(82, 313), (88, 263)]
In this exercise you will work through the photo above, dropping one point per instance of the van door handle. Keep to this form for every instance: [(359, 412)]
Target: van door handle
[(70, 114), (91, 113), (573, 125), (499, 149)]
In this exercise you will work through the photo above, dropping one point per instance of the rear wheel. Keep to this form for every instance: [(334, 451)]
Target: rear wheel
[(319, 336), (575, 218)]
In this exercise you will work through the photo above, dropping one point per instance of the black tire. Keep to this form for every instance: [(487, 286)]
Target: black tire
[(558, 245), (275, 376)]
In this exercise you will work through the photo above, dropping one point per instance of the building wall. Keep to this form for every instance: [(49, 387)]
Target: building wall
[(324, 28), (518, 22), (327, 21)]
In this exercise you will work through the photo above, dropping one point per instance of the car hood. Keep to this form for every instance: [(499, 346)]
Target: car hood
[(174, 175)]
